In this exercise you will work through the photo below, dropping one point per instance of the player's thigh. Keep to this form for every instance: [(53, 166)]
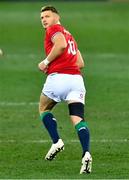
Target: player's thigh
[(45, 103), (77, 90)]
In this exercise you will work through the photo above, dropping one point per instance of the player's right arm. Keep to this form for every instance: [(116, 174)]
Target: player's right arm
[(59, 45), (80, 61)]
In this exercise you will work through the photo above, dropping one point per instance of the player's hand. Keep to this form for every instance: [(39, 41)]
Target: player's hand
[(42, 67)]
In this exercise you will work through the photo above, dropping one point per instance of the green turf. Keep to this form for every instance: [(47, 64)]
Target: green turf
[(102, 32)]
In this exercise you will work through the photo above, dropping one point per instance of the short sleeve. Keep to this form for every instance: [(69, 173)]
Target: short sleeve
[(51, 31)]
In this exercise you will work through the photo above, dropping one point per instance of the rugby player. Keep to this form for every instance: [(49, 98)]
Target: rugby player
[(64, 83)]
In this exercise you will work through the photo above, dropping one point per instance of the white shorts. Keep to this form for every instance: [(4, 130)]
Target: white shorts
[(65, 87)]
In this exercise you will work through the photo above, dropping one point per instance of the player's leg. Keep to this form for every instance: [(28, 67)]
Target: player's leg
[(76, 101), (45, 106), (76, 111)]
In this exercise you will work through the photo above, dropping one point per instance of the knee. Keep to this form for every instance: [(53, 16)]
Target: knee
[(43, 104), (76, 109), (46, 104), (76, 112), (42, 108)]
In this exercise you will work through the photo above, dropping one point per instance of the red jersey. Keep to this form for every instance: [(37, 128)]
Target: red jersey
[(66, 62)]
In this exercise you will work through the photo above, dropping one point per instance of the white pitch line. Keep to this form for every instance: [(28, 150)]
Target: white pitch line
[(105, 54), (40, 141), (18, 103)]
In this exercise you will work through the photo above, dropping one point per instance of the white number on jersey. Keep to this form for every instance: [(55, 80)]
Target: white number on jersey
[(71, 49)]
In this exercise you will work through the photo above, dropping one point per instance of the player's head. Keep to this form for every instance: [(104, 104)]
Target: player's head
[(49, 16)]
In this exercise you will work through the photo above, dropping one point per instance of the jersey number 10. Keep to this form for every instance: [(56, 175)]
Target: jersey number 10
[(71, 48)]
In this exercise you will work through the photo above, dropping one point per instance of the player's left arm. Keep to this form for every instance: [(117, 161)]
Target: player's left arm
[(59, 45), (80, 61)]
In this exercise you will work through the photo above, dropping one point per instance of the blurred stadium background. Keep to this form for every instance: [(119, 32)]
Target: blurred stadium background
[(101, 29)]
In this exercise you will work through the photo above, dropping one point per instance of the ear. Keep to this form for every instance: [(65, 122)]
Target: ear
[(57, 17)]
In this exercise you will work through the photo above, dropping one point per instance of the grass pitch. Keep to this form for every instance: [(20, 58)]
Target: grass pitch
[(101, 30)]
